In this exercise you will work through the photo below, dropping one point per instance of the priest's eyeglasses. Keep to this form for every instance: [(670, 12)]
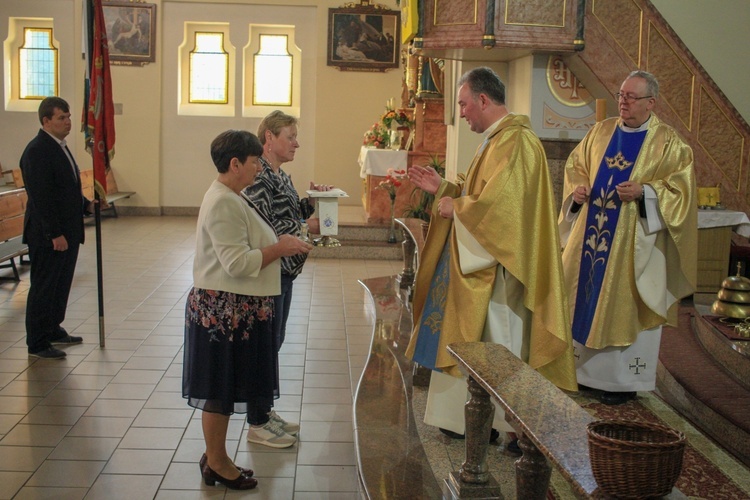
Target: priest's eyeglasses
[(630, 97)]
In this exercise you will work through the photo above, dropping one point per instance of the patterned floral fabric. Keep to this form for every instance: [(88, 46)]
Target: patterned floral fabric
[(229, 352), (276, 198)]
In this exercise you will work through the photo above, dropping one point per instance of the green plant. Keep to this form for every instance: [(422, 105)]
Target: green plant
[(421, 209)]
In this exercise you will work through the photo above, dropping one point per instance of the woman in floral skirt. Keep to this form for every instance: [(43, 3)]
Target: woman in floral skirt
[(229, 361)]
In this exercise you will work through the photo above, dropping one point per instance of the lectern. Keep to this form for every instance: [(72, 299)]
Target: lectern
[(327, 206)]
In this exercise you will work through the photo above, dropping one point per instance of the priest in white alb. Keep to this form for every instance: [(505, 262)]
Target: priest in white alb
[(628, 225), (490, 269)]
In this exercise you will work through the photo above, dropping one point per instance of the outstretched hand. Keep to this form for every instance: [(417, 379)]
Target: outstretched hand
[(425, 178)]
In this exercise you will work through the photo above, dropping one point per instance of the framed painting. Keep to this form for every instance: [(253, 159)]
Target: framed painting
[(131, 32), (363, 37)]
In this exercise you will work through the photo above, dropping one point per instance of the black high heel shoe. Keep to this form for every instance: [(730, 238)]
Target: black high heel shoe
[(204, 460), (242, 482)]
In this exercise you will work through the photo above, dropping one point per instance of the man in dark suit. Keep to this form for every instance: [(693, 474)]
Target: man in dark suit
[(53, 228)]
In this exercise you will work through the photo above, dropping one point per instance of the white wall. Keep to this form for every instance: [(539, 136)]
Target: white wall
[(164, 157)]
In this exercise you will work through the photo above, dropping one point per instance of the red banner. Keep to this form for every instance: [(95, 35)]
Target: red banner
[(99, 116)]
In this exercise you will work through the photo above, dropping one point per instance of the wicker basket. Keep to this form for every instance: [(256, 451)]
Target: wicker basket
[(635, 459)]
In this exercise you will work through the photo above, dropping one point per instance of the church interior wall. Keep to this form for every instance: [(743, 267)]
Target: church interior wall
[(163, 157)]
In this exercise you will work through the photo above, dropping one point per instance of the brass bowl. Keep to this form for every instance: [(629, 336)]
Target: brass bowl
[(736, 283), (731, 310), (735, 296)]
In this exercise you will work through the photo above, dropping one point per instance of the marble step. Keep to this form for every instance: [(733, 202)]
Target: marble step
[(362, 241)]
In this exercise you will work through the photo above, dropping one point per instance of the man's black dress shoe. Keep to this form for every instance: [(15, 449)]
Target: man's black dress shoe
[(513, 448), (66, 340), (616, 398), (204, 460), (48, 353), (494, 434), (242, 482)]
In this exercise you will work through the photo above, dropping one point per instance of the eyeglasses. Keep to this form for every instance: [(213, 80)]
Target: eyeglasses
[(630, 98)]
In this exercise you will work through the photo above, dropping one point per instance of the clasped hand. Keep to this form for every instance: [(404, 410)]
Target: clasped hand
[(291, 245)]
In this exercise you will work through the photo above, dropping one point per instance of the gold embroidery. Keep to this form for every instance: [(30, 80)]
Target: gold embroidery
[(618, 162), (598, 238)]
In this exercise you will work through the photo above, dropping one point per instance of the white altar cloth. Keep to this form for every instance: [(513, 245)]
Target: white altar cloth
[(374, 161), (720, 218)]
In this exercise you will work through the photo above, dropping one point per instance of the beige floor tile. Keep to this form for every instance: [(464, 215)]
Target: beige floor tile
[(85, 382), (327, 395), (186, 476), (153, 438), (341, 367), (11, 482), (327, 354), (35, 435), (52, 493), (67, 473), (70, 397), (326, 412), (45, 370), (101, 426), (160, 351), (325, 453), (123, 487), (107, 355), (127, 391), (138, 377), (126, 461), (267, 489), (163, 418), (60, 415), (97, 368), (342, 432), (7, 422), (28, 387), (92, 448), (146, 363), (114, 408), (326, 380), (291, 359), (267, 464), (22, 458), (166, 400), (325, 478)]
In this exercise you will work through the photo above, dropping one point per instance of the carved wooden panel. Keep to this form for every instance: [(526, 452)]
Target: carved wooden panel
[(676, 81), (720, 138), (549, 13), (622, 19), (451, 12)]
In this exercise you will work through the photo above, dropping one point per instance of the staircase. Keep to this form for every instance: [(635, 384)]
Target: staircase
[(706, 377), (362, 241)]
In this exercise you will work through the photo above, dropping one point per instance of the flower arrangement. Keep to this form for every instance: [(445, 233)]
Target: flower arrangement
[(376, 136), (392, 182), (422, 208)]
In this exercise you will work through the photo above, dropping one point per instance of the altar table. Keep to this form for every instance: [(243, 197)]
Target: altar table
[(714, 241)]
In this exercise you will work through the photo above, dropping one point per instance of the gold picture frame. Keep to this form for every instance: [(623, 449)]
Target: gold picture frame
[(364, 38), (131, 32)]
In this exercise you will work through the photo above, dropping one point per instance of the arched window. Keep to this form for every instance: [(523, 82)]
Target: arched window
[(32, 67)]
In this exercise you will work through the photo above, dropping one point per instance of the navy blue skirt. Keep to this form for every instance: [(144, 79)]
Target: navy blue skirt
[(230, 362)]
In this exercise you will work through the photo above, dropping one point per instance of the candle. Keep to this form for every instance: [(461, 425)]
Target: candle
[(601, 109)]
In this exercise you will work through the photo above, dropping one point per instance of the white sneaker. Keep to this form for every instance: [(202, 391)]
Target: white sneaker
[(270, 434), (288, 427)]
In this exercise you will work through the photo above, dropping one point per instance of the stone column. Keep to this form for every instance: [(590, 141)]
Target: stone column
[(532, 472), (474, 480)]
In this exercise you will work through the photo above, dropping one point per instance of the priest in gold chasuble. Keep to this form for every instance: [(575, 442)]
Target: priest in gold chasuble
[(490, 269), (628, 225)]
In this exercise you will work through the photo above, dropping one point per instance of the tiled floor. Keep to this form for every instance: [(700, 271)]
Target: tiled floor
[(111, 423)]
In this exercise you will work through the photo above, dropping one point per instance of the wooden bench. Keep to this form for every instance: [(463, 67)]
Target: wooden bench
[(12, 210), (87, 186), (113, 194)]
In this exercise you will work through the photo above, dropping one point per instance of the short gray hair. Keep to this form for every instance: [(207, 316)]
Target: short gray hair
[(652, 84)]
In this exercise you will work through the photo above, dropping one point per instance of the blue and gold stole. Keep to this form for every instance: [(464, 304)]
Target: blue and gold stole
[(431, 321), (601, 223)]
